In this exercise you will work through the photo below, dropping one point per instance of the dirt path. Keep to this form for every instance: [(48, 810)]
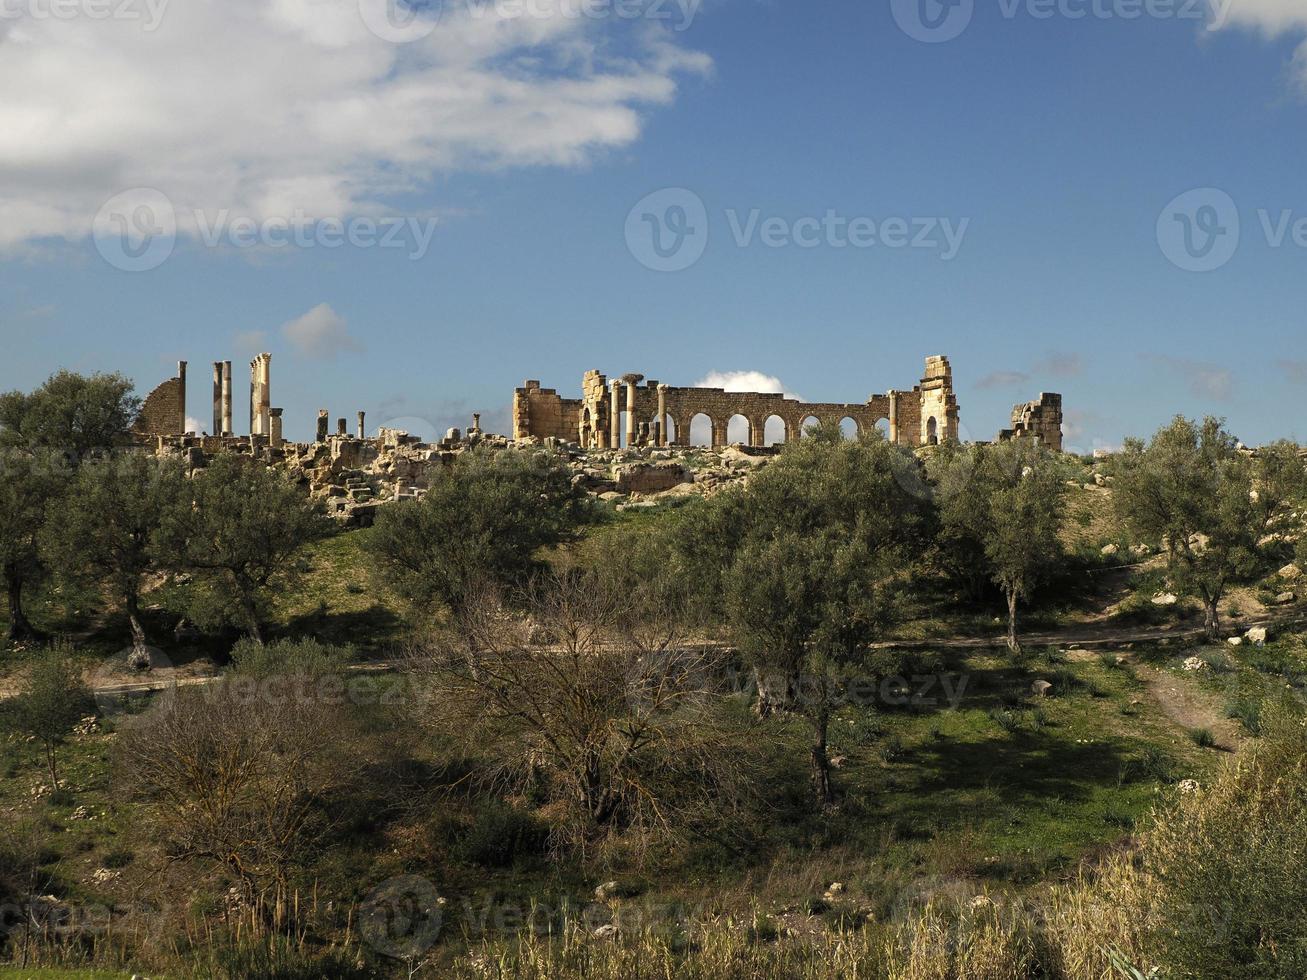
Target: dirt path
[(1189, 706)]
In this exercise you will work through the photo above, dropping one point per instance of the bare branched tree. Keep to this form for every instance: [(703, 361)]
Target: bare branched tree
[(240, 776), (597, 700)]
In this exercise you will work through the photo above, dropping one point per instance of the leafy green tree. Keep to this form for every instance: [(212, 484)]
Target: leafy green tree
[(804, 564), (1000, 511), (49, 704), (1208, 503), (238, 530), (482, 522), (105, 530), (71, 413), (29, 481)]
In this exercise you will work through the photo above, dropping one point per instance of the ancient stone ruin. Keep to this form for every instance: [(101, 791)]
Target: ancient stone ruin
[(1039, 420), (631, 411)]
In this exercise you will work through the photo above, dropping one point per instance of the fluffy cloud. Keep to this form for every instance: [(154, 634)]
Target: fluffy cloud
[(319, 333), (1272, 19), (268, 108), (746, 381)]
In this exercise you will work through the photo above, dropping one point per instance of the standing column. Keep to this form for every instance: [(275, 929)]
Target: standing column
[(615, 416), (227, 426), (265, 393), (662, 415), (893, 416), (181, 397), (323, 422), (274, 428), (631, 421), (254, 397), (217, 398), (363, 429)]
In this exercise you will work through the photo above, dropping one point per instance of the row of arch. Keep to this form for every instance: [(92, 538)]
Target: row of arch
[(704, 430)]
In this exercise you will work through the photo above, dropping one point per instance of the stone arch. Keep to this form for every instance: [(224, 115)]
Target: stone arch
[(807, 422), (669, 437), (849, 427), (775, 430), (932, 431), (739, 429), (882, 427), (700, 430)]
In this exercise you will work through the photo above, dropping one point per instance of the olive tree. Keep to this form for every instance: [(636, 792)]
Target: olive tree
[(71, 414), (1207, 502), (805, 564), (29, 482), (483, 520), (51, 700), (105, 529), (238, 528)]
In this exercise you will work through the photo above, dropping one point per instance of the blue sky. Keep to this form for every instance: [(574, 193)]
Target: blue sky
[(1055, 144)]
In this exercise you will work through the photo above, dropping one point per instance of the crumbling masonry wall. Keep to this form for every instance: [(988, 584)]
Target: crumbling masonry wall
[(163, 412), (1040, 420)]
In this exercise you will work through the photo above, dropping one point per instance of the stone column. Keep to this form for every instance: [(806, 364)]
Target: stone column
[(323, 422), (615, 416), (632, 423), (758, 432), (342, 429), (274, 428), (227, 427), (893, 416), (265, 392), (719, 430), (254, 397), (662, 415), (181, 397), (363, 429), (217, 398)]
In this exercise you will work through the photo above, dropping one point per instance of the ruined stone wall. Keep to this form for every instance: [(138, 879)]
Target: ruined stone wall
[(164, 411), (1040, 420), (939, 406), (541, 413)]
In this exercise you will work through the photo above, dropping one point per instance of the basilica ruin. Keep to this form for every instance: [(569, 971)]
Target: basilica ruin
[(631, 411)]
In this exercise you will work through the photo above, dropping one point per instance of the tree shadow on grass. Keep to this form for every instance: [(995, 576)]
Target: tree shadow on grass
[(371, 631)]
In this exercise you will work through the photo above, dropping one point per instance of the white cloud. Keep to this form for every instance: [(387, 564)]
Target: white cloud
[(195, 425), (1272, 19), (269, 107), (746, 381), (319, 333)]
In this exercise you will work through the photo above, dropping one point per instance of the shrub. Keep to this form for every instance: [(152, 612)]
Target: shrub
[(1248, 712), (1203, 738)]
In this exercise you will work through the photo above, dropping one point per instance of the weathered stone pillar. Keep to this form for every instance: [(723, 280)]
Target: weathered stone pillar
[(632, 423), (227, 425), (274, 428), (758, 432), (615, 416), (719, 430), (342, 429), (662, 415), (323, 421), (265, 393), (363, 429), (181, 397), (893, 416), (217, 398)]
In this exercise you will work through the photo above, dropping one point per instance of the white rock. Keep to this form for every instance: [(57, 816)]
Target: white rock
[(1257, 636), (1188, 786), (1165, 599), (1110, 549), (1235, 641), (1195, 663)]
